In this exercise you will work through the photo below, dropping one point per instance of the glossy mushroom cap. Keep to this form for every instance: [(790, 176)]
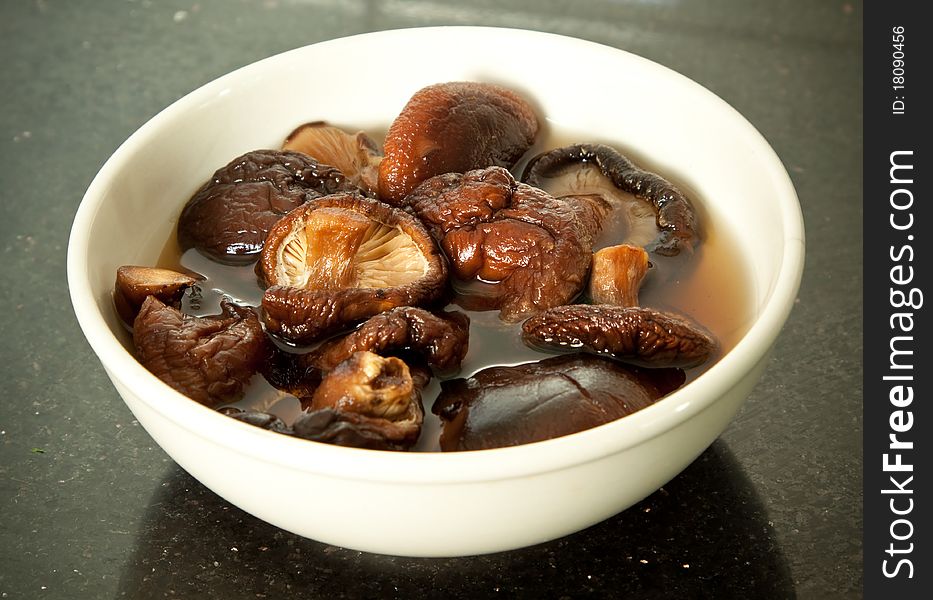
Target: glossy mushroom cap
[(453, 128), (229, 217), (508, 406)]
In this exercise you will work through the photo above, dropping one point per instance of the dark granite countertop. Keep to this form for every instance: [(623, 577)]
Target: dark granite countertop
[(91, 508)]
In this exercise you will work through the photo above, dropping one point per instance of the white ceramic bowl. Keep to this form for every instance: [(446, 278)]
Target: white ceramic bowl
[(433, 504)]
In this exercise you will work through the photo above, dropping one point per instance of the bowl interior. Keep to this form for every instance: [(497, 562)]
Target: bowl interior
[(664, 120)]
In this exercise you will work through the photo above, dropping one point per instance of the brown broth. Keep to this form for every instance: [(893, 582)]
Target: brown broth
[(710, 287)]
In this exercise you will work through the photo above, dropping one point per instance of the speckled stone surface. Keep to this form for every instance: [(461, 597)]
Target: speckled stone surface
[(91, 508)]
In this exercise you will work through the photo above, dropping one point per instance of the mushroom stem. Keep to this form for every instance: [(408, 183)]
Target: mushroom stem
[(617, 275)]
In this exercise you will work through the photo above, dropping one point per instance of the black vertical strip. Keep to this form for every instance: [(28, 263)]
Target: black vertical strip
[(898, 368)]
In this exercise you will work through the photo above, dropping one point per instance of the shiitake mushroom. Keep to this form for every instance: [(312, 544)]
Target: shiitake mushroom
[(531, 402), (430, 343), (229, 217), (440, 339), (134, 284), (454, 127), (636, 335), (209, 359), (341, 259), (372, 393), (511, 246), (662, 218), (356, 155)]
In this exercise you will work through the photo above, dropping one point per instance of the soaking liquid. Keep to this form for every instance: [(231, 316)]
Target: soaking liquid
[(710, 287)]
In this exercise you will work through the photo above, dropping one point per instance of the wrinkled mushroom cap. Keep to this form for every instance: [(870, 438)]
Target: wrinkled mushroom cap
[(209, 359), (228, 218), (641, 336), (441, 340), (429, 343), (519, 248)]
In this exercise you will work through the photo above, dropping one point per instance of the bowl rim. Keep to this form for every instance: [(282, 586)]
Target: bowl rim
[(437, 467)]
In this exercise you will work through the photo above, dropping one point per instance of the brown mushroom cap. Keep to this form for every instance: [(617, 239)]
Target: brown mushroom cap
[(508, 406), (636, 335), (452, 128), (209, 359), (134, 284), (518, 247), (228, 218), (256, 418), (427, 342), (569, 171), (355, 430), (440, 339), (375, 403), (368, 384), (341, 259), (355, 155)]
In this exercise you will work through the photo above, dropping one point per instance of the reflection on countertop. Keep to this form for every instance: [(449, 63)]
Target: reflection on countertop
[(703, 532)]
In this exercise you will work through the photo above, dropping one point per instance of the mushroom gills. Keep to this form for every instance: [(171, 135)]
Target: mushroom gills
[(339, 249), (631, 219), (355, 155), (675, 219), (341, 259)]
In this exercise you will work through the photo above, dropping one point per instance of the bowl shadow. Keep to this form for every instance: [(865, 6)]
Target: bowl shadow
[(705, 534)]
